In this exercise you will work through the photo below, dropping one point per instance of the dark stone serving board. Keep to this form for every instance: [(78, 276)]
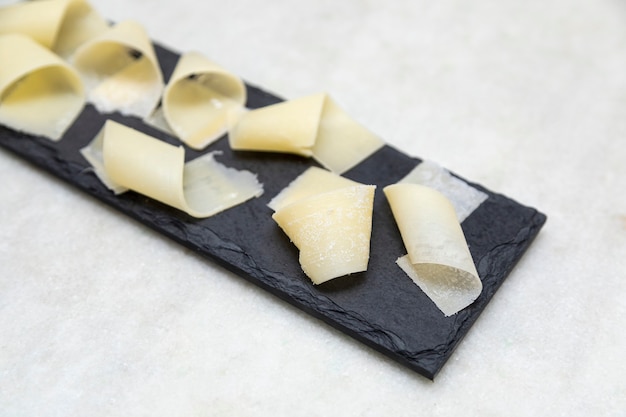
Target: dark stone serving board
[(382, 307)]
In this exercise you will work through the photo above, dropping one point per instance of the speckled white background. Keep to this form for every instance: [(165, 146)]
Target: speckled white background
[(101, 317)]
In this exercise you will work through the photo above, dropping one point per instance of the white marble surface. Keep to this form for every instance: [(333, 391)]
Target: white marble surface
[(101, 317)]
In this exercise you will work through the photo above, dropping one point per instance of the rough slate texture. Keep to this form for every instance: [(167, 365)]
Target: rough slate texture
[(381, 307)]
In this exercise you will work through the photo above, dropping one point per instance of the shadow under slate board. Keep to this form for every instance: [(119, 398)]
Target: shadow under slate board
[(382, 307)]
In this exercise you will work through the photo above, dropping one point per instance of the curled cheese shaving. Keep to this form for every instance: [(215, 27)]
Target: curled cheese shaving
[(199, 98), (288, 127), (121, 70), (342, 142), (329, 219), (39, 93), (438, 260), (126, 159), (309, 126), (59, 25)]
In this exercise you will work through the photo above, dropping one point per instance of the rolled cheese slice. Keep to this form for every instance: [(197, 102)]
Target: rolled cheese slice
[(309, 126), (438, 260), (126, 159), (59, 25), (342, 143), (121, 70), (199, 98), (39, 93), (329, 219), (332, 230), (288, 127)]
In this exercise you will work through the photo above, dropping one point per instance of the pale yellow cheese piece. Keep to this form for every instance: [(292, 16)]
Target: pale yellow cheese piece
[(309, 126), (40, 20), (121, 70), (312, 181), (126, 159), (39, 93), (438, 260), (82, 22), (199, 98), (342, 143), (289, 127), (332, 230), (59, 25)]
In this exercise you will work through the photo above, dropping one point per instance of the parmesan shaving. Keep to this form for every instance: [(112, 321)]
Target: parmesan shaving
[(342, 143), (126, 159), (199, 99), (329, 219), (121, 71), (59, 25), (39, 93), (289, 127), (309, 126), (438, 260)]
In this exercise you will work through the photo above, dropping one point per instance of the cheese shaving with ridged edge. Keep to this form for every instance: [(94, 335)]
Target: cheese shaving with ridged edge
[(126, 159), (121, 71), (329, 219), (438, 260), (39, 93), (314, 126), (199, 98)]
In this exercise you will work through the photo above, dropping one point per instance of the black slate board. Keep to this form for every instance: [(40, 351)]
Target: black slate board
[(381, 307)]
